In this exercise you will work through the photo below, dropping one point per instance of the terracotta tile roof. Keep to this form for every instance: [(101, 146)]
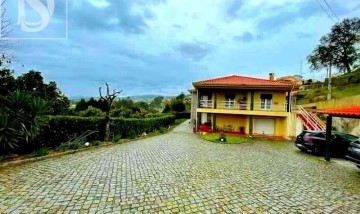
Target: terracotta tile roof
[(242, 82), (351, 111)]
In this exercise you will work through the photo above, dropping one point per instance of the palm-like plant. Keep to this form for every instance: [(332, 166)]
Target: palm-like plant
[(9, 136), (22, 119)]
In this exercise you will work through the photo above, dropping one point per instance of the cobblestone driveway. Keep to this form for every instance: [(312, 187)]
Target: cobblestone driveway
[(178, 172)]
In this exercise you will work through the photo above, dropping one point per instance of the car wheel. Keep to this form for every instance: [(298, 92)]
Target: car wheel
[(316, 150), (303, 150)]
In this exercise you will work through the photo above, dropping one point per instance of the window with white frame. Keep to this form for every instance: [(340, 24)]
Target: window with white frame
[(229, 100), (266, 101)]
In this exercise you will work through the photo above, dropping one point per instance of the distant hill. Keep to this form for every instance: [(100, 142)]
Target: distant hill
[(146, 98)]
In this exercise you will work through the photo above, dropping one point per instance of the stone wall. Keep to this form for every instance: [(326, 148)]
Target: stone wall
[(351, 126)]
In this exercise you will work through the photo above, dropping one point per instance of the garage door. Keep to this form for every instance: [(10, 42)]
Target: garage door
[(264, 126)]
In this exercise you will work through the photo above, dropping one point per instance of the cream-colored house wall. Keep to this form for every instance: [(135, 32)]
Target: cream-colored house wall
[(279, 99), (236, 121), (194, 105)]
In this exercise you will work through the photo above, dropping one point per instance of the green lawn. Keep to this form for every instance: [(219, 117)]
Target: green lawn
[(320, 94), (229, 139), (348, 91)]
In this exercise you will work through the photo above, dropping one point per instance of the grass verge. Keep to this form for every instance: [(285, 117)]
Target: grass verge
[(214, 137)]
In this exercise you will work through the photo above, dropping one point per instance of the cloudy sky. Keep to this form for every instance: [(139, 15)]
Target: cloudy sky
[(162, 46)]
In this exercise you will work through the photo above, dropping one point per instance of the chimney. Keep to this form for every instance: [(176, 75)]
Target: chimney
[(272, 76)]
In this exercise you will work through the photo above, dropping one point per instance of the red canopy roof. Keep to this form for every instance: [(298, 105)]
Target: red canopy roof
[(241, 81), (351, 111)]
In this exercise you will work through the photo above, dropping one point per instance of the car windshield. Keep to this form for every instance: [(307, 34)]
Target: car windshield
[(357, 141), (347, 136)]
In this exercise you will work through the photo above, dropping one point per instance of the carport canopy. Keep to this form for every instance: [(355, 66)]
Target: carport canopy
[(344, 112)]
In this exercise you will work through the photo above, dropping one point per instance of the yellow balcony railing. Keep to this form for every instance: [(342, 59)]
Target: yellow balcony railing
[(258, 106)]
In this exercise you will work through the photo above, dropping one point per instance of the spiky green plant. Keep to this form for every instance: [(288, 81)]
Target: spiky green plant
[(21, 119)]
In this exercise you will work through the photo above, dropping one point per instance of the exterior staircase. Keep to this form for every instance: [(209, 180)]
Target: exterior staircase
[(310, 120)]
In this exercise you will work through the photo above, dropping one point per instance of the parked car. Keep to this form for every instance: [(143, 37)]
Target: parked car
[(353, 152), (315, 142)]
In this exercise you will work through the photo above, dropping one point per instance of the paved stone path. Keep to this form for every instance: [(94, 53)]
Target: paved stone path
[(177, 172)]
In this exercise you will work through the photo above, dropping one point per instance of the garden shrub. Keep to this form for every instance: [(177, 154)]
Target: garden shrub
[(116, 138), (95, 143), (92, 112), (163, 130), (41, 152), (75, 145), (131, 134), (61, 129)]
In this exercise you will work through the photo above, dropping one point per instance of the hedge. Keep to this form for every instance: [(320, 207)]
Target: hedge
[(130, 128), (182, 115), (60, 129)]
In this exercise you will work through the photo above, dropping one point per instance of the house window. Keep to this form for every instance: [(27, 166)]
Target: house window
[(229, 100), (205, 100), (266, 101)]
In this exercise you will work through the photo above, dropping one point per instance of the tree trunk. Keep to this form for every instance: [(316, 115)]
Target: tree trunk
[(107, 127), (347, 66), (107, 130)]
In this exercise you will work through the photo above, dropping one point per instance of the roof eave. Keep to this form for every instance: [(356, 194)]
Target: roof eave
[(279, 87)]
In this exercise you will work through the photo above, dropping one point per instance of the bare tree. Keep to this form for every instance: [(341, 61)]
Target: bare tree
[(6, 55), (108, 99)]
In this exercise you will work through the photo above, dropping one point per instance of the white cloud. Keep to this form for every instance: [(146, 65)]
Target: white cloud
[(180, 41), (99, 3)]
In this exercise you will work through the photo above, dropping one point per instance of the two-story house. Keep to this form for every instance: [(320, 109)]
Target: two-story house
[(245, 105)]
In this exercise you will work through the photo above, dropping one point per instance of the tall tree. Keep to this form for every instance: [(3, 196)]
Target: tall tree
[(323, 57), (180, 97), (7, 82), (343, 39), (156, 102), (33, 82), (338, 48), (108, 99), (82, 105)]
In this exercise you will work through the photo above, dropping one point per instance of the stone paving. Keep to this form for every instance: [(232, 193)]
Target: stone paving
[(179, 173)]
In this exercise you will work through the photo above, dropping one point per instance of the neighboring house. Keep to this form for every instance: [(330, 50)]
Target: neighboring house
[(296, 79), (245, 105)]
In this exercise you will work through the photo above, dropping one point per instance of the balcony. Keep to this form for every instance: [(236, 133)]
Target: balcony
[(264, 108), (232, 105), (261, 106), (205, 104)]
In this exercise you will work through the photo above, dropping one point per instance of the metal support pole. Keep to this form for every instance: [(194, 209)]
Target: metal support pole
[(289, 102), (251, 125), (252, 101), (328, 137)]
